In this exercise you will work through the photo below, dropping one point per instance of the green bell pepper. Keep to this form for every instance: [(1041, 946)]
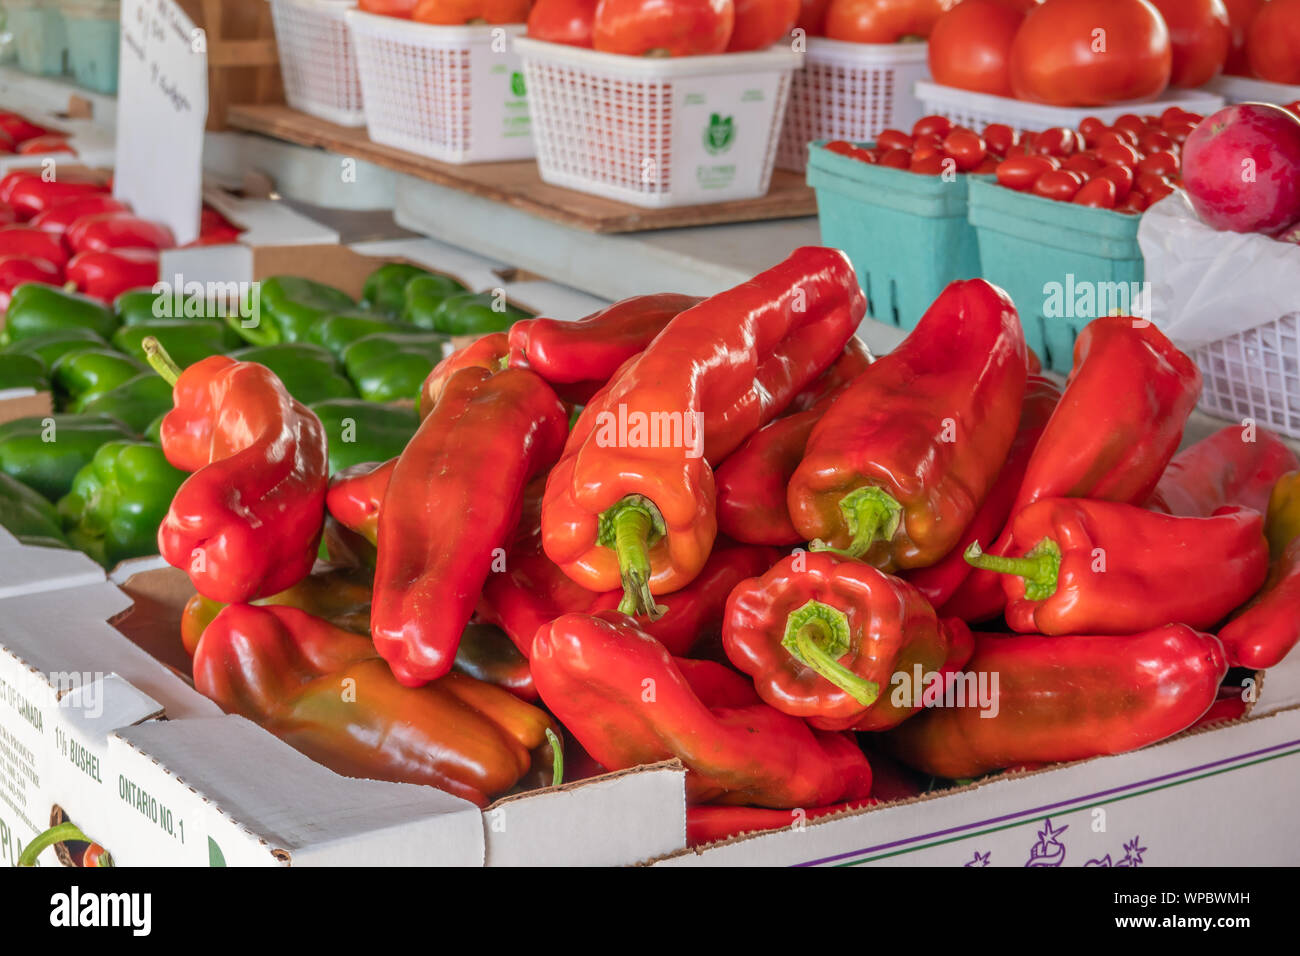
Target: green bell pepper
[(89, 372), (136, 403), (23, 371), (27, 516), (136, 307), (309, 372), (385, 288), (361, 431), (475, 313), (186, 340), (49, 347), (46, 453), (118, 501), (337, 332), (423, 297), (36, 308), (289, 306), (391, 366)]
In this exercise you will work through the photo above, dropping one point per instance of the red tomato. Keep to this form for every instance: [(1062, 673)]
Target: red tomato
[(894, 139), (987, 167), (931, 164), (896, 158), (1154, 140), (966, 149), (760, 23), (1241, 13), (1134, 202), (1091, 53), (388, 8), (1131, 122), (939, 126), (1120, 154), (1200, 34), (970, 44), (1121, 176), (1153, 186), (1273, 42), (663, 27), (851, 150), (1099, 193), (812, 16), (1086, 163), (1021, 172), (1058, 184), (999, 138), (1090, 128), (1114, 135), (458, 12), (1058, 141), (1179, 132), (925, 151), (883, 21), (1164, 162), (563, 21), (1176, 114)]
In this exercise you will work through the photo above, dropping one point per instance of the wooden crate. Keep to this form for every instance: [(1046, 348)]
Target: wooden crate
[(243, 65)]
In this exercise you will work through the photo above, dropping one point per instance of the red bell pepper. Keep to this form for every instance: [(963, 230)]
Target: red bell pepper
[(248, 521), (1237, 465), (1096, 567), (454, 499), (15, 270), (45, 145), (99, 232), (488, 352), (1113, 433), (356, 494), (18, 128), (898, 466), (621, 694), (1265, 631), (57, 219), (106, 275), (31, 193), (853, 361), (32, 244), (823, 637), (1053, 699), (631, 503), (8, 215), (940, 581)]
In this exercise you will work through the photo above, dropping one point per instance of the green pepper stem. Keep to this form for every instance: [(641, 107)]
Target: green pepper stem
[(55, 834), (808, 639), (630, 527), (557, 758), (159, 360), (870, 515), (1040, 567)]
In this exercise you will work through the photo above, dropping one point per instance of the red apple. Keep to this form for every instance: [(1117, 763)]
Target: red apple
[(1241, 168)]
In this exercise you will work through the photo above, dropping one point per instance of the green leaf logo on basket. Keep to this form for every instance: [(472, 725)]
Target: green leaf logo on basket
[(719, 134), (517, 83)]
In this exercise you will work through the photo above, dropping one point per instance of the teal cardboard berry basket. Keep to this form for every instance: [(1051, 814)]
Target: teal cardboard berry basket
[(1063, 265), (907, 235)]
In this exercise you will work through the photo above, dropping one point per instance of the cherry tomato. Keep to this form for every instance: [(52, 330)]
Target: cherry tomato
[(1154, 140), (1086, 163), (1179, 132), (1090, 128), (999, 137), (1121, 176), (896, 158), (930, 164), (1164, 162), (987, 167), (1121, 154), (1131, 122), (1058, 184), (1056, 58), (966, 149), (850, 150), (1113, 135), (1098, 193), (1058, 141), (1134, 202), (925, 151), (1021, 172), (894, 139), (939, 126), (971, 43)]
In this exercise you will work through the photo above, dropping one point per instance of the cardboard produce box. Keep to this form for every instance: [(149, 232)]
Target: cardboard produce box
[(100, 725)]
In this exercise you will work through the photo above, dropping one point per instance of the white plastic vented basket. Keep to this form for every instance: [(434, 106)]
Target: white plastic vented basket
[(656, 132), (317, 61), (850, 91), (1246, 89), (454, 94), (1255, 375), (977, 110)]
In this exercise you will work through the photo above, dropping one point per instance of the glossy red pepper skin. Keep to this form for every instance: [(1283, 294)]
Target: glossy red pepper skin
[(56, 219), (1237, 465), (752, 481), (922, 434), (1268, 628), (15, 270), (939, 582), (19, 128), (454, 498), (870, 623), (488, 352), (578, 358), (99, 232), (356, 494), (32, 244), (1111, 437), (247, 523), (31, 194), (730, 364), (43, 145), (1121, 569), (621, 694), (1060, 699), (106, 275)]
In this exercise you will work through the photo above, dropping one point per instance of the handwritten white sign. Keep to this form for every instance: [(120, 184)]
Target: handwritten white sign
[(162, 106)]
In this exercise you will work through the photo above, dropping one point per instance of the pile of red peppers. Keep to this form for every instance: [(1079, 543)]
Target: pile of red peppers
[(719, 531)]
